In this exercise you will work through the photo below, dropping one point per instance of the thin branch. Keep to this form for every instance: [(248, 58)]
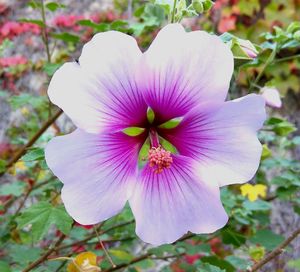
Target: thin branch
[(277, 251), (35, 137), (92, 235), (46, 255), (133, 261), (147, 255)]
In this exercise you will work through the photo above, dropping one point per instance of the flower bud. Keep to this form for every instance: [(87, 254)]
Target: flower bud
[(248, 48), (271, 96)]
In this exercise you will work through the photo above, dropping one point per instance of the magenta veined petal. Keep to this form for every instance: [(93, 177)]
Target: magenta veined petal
[(97, 172), (182, 75), (223, 138), (99, 93), (168, 205), (181, 70)]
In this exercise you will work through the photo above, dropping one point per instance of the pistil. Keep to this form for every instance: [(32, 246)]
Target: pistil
[(158, 157)]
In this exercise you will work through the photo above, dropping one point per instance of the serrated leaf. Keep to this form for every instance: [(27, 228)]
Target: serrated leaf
[(267, 239), (41, 216), (23, 255), (14, 188)]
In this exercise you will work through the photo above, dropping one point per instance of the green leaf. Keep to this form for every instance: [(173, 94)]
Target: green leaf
[(284, 128), (173, 123), (293, 27), (2, 166), (266, 152), (119, 25), (34, 154), (34, 4), (267, 239), (23, 255), (41, 216), (66, 37), (294, 264), (50, 68), (33, 21), (4, 267), (257, 252), (222, 264), (121, 255), (15, 188), (97, 27), (150, 115), (53, 6), (18, 101), (161, 250), (133, 131), (238, 263), (258, 205), (230, 236), (206, 267)]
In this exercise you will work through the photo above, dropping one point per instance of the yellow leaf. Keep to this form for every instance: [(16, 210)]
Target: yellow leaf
[(84, 262)]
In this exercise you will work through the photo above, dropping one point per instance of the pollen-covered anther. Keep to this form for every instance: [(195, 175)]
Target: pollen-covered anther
[(159, 159)]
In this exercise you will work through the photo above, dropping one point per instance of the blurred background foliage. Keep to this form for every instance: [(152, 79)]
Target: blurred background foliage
[(36, 233)]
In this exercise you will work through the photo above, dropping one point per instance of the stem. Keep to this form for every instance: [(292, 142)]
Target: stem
[(35, 137), (104, 249), (277, 251), (91, 236), (173, 12), (267, 63), (287, 58), (44, 33)]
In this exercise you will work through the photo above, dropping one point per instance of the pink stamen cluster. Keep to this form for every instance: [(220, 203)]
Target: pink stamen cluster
[(159, 158)]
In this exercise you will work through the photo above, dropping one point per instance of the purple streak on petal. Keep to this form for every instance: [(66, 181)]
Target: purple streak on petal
[(181, 70), (222, 136), (97, 172), (101, 94), (169, 204)]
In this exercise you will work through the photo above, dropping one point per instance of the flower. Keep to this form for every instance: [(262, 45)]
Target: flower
[(271, 96), (168, 101), (253, 191)]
